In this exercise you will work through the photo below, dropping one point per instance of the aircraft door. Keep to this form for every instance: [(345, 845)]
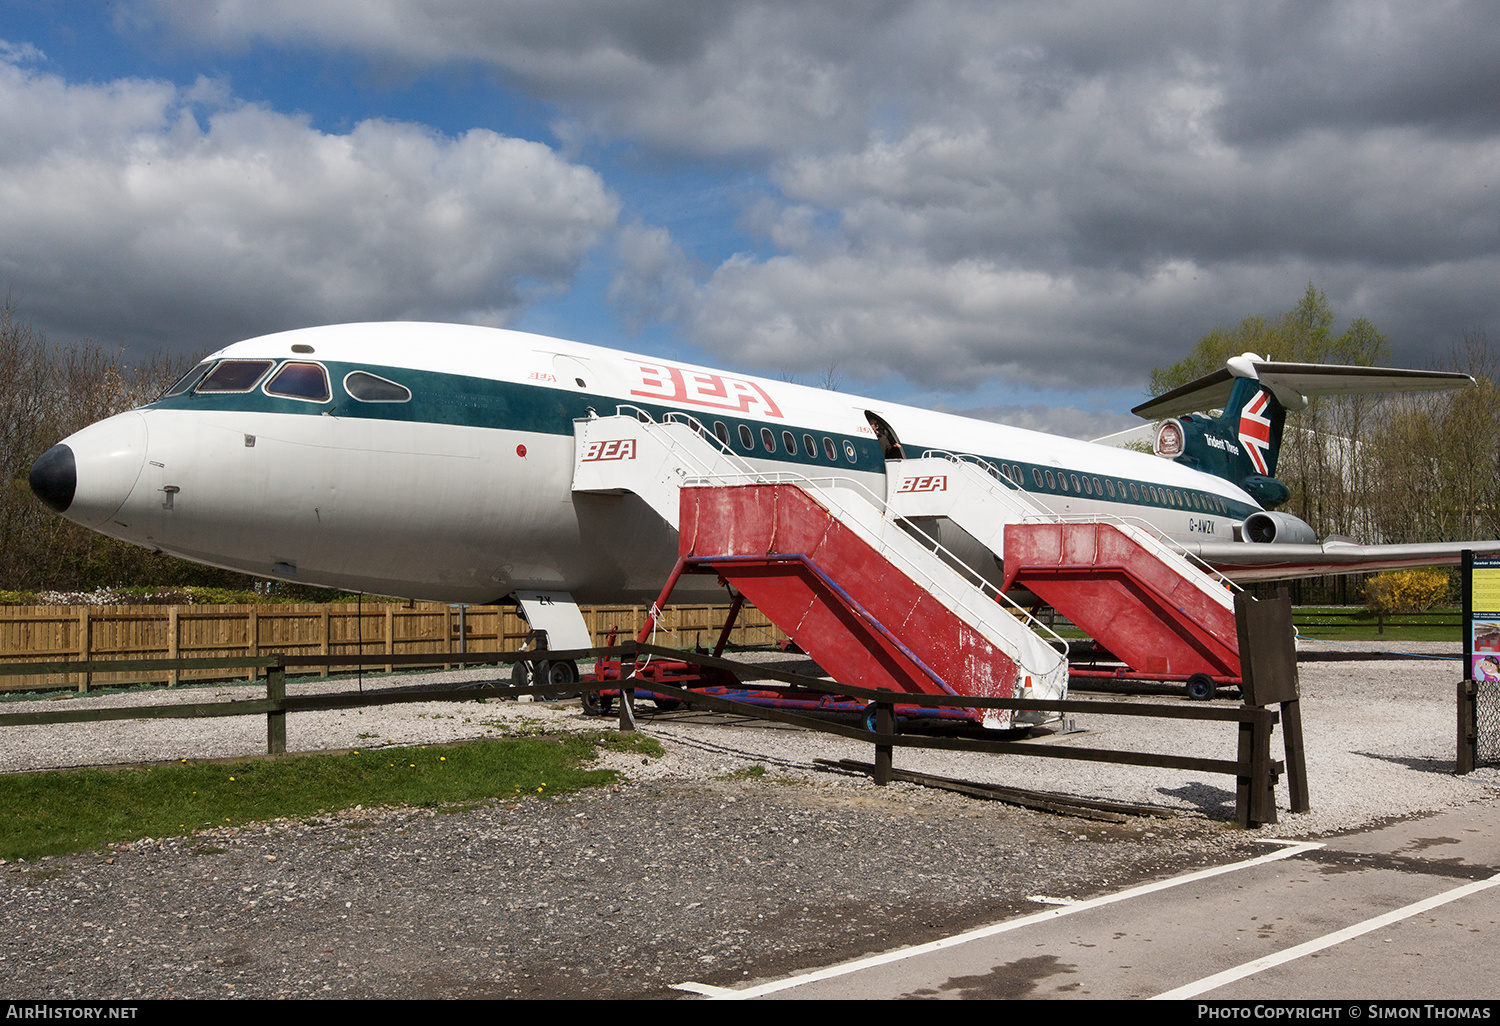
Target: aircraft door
[(890, 445)]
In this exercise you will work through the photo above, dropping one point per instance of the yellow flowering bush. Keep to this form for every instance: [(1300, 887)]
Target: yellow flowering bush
[(1405, 591)]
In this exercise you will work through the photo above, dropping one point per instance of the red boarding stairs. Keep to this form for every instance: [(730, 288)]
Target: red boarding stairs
[(1120, 593), (875, 607)]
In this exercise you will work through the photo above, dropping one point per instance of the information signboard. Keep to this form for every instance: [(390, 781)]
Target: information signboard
[(1482, 616)]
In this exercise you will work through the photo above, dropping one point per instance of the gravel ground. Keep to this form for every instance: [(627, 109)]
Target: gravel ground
[(686, 870)]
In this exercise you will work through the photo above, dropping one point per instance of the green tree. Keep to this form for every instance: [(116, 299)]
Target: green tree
[(46, 393)]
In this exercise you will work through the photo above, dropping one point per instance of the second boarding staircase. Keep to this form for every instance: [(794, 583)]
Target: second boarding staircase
[(829, 563), (1121, 582)]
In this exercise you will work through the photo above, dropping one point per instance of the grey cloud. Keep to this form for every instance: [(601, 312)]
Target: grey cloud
[(1048, 191), (718, 79), (1355, 64), (122, 216), (654, 279), (1068, 421)]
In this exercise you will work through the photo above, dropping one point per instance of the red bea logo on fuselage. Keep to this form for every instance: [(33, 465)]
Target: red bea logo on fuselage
[(609, 449), (669, 384), (933, 483)]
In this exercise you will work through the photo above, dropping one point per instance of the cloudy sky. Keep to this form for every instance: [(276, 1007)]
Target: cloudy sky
[(1015, 207)]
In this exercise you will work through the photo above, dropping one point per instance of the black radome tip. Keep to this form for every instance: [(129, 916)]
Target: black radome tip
[(54, 477)]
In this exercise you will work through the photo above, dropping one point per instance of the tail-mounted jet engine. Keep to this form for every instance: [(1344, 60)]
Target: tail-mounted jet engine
[(1278, 527)]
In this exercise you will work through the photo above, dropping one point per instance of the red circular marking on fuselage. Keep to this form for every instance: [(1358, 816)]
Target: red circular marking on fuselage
[(521, 451)]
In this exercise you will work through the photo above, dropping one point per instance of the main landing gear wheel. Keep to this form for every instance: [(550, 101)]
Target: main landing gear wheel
[(558, 674), (544, 672), (1201, 687)]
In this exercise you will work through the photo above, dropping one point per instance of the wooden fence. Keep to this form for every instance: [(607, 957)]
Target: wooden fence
[(363, 633)]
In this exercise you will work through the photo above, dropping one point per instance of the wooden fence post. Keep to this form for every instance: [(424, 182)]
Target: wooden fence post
[(276, 720), (885, 725), (1255, 800), (83, 647), (390, 633), (1467, 734), (174, 675), (323, 671), (252, 633)]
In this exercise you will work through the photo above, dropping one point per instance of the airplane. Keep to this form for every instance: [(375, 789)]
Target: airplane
[(435, 461)]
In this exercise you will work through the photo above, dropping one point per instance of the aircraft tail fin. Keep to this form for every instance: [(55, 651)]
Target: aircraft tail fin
[(1243, 442)]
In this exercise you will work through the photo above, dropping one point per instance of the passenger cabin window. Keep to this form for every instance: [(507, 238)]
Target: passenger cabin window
[(747, 439), (789, 442), (768, 439), (721, 432), (810, 444), (829, 449), (371, 388), (306, 381), (234, 376), (188, 380)]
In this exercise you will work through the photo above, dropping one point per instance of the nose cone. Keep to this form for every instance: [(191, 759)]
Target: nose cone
[(89, 475), (54, 477)]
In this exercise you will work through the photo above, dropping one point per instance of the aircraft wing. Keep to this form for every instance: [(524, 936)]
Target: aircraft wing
[(1291, 381), (1251, 561)]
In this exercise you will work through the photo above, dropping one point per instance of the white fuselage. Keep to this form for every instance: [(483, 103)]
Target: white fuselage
[(462, 491)]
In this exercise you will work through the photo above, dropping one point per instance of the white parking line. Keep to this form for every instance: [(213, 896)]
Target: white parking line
[(1347, 933), (728, 994)]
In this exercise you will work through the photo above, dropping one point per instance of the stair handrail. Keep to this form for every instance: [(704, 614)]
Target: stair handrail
[(824, 495), (654, 428), (744, 472), (1043, 515)]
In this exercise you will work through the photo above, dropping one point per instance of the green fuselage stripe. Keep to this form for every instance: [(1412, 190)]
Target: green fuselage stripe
[(467, 401)]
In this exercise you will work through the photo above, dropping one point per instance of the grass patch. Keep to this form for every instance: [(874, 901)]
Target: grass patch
[(1344, 623), (60, 812), (755, 772)]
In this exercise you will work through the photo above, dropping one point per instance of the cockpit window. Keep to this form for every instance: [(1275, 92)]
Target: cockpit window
[(234, 376), (370, 388), (188, 380), (300, 381)]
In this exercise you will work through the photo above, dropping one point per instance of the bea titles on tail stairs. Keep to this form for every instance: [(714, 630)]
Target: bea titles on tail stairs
[(469, 464)]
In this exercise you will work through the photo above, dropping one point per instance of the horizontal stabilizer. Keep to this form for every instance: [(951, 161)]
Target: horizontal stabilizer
[(1292, 383)]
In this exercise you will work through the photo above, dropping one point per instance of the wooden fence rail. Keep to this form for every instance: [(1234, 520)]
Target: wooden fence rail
[(1255, 770), (358, 635)]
